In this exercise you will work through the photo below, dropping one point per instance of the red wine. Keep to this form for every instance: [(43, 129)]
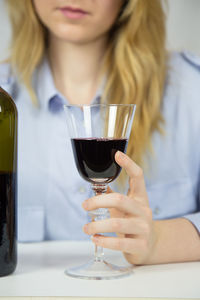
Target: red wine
[(8, 239), (8, 184), (94, 158)]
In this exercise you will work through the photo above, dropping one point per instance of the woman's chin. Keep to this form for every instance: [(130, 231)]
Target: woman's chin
[(74, 35), (72, 38)]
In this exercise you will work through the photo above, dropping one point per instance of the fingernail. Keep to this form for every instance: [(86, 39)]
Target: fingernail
[(95, 239), (85, 228), (120, 155), (117, 154), (85, 205)]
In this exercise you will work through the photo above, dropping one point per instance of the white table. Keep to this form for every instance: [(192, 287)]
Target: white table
[(40, 272)]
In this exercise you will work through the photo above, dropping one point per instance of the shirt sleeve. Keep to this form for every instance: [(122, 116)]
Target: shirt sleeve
[(194, 219)]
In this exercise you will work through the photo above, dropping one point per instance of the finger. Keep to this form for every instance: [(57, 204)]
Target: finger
[(128, 245), (133, 171), (134, 226), (115, 200)]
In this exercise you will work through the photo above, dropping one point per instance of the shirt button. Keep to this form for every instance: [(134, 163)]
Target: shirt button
[(82, 190), (156, 210)]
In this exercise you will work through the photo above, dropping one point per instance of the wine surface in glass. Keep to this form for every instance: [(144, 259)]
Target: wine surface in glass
[(95, 160)]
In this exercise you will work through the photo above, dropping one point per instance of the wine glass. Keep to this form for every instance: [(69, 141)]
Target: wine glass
[(97, 132)]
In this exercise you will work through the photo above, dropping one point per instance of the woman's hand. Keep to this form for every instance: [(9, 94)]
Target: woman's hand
[(131, 217)]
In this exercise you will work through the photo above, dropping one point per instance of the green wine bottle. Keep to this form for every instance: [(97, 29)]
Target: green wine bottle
[(8, 184)]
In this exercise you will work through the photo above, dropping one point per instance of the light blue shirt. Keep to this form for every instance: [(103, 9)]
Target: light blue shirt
[(50, 190)]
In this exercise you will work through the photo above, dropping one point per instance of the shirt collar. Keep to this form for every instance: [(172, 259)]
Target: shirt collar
[(45, 87), (48, 96)]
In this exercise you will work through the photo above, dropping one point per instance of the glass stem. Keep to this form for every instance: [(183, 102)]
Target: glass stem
[(99, 214)]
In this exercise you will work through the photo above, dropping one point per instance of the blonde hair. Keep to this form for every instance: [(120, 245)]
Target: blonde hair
[(28, 41), (135, 61)]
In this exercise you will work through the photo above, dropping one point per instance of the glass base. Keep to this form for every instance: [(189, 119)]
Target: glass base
[(98, 270)]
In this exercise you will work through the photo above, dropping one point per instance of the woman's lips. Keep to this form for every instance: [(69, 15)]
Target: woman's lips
[(73, 13)]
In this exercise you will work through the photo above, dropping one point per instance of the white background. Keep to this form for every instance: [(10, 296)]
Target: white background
[(183, 26)]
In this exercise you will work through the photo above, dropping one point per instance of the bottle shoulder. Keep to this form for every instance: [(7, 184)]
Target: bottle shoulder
[(6, 102)]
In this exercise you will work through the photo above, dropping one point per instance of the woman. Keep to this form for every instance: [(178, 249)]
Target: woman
[(61, 52)]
